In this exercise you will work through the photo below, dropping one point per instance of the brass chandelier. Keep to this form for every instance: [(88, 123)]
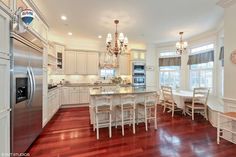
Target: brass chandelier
[(121, 43), (181, 46)]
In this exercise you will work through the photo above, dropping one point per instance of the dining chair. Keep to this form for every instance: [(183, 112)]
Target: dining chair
[(103, 104), (198, 103), (148, 109), (168, 100), (127, 111)]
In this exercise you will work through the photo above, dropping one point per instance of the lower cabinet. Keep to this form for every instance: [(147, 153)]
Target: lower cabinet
[(53, 102)]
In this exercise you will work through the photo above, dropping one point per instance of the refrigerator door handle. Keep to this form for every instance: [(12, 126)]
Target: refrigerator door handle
[(33, 80), (31, 86)]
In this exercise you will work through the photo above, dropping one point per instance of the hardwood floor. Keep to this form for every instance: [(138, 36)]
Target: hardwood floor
[(69, 134)]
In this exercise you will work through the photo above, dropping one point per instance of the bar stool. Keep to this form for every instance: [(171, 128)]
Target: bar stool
[(103, 104), (149, 108), (127, 110)]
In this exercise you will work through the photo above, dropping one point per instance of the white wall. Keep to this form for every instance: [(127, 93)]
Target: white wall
[(151, 61)]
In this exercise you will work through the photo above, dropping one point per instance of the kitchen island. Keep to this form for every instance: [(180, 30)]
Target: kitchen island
[(116, 94)]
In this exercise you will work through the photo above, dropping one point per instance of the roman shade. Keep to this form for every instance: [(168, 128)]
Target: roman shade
[(172, 61), (221, 57), (201, 58)]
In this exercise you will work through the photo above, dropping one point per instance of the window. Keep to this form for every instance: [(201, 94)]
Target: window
[(168, 54), (107, 73), (201, 75), (202, 48), (170, 76)]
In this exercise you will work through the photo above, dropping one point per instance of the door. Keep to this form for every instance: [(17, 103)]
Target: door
[(4, 34), (4, 106), (92, 63), (36, 66), (81, 63), (21, 84), (70, 67)]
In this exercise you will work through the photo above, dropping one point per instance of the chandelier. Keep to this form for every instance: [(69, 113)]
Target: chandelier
[(121, 43), (181, 46)]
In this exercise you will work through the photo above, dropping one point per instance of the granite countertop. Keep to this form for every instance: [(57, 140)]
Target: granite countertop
[(121, 90)]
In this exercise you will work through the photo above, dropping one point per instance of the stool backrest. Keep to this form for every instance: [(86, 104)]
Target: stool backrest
[(167, 93), (128, 99), (152, 98), (103, 101), (200, 95)]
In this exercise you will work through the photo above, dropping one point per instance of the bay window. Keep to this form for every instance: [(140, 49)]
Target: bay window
[(169, 69), (201, 64)]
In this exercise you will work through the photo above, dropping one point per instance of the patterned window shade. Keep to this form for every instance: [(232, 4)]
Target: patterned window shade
[(173, 61), (201, 58), (221, 57)]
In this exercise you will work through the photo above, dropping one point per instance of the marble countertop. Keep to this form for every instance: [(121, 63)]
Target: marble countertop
[(121, 90)]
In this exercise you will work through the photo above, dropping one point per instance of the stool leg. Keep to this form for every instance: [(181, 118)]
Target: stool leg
[(145, 114), (115, 118), (122, 121), (97, 127), (94, 121), (137, 115), (218, 129), (134, 121), (110, 124), (155, 116), (173, 110)]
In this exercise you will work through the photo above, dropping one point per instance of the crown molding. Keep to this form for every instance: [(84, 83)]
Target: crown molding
[(226, 3)]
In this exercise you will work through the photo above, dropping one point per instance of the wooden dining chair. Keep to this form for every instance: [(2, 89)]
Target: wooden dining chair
[(148, 109), (198, 103), (103, 104), (168, 100)]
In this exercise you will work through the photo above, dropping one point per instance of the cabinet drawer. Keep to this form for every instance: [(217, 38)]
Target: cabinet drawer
[(83, 89), (74, 89)]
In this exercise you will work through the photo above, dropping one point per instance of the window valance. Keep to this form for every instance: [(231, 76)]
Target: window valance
[(172, 61), (201, 58)]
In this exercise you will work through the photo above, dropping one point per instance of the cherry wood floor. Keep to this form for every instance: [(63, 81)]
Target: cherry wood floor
[(69, 134)]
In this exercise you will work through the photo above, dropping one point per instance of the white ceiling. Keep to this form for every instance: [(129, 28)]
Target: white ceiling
[(155, 21)]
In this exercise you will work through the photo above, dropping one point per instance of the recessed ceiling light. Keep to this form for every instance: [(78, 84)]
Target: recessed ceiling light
[(69, 33), (100, 37), (63, 17)]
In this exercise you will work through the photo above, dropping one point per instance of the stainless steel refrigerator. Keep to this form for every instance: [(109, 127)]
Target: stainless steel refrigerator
[(26, 90)]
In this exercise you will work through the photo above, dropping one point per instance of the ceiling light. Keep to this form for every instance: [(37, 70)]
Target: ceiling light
[(120, 45), (63, 17), (100, 37), (181, 45), (69, 33)]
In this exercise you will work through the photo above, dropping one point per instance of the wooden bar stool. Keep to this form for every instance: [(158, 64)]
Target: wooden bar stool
[(103, 104), (127, 111), (149, 109)]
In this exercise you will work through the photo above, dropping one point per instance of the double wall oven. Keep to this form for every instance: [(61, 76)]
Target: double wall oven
[(139, 72)]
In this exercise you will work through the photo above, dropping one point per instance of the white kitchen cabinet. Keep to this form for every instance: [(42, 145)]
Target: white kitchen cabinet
[(4, 35), (92, 63), (74, 95), (138, 54), (70, 61), (81, 65), (84, 95), (60, 58), (65, 95), (53, 102), (124, 64), (4, 106), (5, 133)]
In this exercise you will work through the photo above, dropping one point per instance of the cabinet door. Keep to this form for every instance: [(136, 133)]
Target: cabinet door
[(65, 96), (70, 67), (81, 59), (92, 63), (141, 56), (84, 98), (74, 98), (5, 133), (4, 35), (124, 64), (4, 84)]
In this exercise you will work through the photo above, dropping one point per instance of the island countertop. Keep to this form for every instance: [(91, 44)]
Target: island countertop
[(121, 90)]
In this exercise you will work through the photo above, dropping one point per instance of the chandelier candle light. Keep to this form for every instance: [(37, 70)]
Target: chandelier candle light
[(181, 46), (121, 43)]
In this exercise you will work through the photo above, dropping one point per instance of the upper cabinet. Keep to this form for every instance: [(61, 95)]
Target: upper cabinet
[(124, 64), (92, 63), (138, 54), (60, 58), (81, 63), (4, 34), (38, 25)]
